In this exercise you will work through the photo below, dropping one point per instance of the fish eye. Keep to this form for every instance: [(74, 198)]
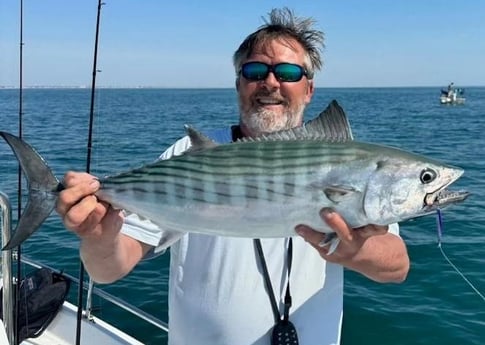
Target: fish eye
[(427, 176)]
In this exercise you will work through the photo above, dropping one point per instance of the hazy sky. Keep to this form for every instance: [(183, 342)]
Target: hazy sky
[(182, 43)]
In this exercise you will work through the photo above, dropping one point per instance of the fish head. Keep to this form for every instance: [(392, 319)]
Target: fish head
[(408, 187)]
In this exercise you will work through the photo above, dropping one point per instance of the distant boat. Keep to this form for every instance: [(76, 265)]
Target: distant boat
[(453, 96)]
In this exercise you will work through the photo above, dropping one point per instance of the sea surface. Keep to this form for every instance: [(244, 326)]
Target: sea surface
[(435, 305)]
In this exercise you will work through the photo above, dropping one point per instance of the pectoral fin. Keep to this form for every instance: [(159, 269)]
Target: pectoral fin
[(338, 194), (331, 240)]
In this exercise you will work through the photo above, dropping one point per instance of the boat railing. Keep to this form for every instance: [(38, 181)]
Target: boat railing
[(7, 257), (110, 298), (7, 302)]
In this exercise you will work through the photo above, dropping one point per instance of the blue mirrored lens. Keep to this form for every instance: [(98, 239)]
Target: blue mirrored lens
[(288, 72), (255, 71), (284, 72)]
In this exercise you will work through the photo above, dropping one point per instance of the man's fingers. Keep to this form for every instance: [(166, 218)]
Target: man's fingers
[(78, 213), (344, 231), (372, 230), (311, 236), (337, 223), (72, 195), (317, 240)]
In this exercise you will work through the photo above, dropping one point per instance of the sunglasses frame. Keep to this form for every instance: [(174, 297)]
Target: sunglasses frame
[(273, 69)]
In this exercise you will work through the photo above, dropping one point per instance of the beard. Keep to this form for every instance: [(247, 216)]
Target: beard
[(262, 121)]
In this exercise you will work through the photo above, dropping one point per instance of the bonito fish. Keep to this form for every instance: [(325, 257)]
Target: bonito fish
[(260, 187)]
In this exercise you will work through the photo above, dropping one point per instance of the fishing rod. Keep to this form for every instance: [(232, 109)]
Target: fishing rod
[(88, 169), (19, 181)]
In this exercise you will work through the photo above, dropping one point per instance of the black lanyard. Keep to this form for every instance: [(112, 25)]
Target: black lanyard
[(284, 331), (267, 281)]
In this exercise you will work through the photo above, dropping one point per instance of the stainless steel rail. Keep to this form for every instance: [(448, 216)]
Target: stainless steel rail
[(110, 298), (7, 269)]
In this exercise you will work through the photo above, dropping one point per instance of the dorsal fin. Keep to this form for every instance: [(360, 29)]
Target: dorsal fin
[(198, 140), (331, 125)]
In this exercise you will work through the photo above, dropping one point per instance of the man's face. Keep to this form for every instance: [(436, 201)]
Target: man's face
[(270, 105)]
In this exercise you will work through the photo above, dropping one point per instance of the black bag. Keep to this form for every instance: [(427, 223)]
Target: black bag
[(41, 295)]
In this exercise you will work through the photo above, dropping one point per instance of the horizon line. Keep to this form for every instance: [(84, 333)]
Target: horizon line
[(6, 87)]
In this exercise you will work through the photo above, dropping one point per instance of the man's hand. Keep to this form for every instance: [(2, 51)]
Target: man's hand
[(370, 250), (106, 253), (82, 212)]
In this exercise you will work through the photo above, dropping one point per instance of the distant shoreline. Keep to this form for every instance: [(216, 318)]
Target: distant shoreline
[(8, 87)]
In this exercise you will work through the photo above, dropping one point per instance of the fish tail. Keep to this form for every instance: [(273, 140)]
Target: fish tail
[(43, 188)]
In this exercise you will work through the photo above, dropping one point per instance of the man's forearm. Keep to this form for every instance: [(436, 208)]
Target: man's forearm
[(107, 262)]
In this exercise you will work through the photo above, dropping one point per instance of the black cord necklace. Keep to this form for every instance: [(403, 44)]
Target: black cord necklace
[(284, 332)]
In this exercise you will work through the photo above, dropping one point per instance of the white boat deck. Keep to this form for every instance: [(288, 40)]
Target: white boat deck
[(62, 331)]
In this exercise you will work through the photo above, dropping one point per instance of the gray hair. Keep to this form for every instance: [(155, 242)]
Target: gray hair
[(283, 24)]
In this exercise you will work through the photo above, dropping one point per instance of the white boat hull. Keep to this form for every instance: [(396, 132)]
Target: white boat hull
[(452, 96), (451, 100)]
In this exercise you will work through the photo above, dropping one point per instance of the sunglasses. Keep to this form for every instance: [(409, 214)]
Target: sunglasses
[(283, 72)]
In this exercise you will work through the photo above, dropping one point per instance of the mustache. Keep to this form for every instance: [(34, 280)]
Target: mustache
[(274, 95)]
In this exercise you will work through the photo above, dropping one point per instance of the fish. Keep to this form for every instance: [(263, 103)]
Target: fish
[(259, 187)]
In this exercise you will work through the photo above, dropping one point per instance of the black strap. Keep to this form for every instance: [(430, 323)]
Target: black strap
[(287, 295), (267, 281)]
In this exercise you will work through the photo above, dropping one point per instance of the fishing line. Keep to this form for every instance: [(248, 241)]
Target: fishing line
[(439, 221)]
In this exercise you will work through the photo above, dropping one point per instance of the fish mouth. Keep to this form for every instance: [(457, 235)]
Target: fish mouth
[(443, 197)]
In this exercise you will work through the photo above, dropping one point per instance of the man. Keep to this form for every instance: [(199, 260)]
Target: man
[(218, 293), (450, 89)]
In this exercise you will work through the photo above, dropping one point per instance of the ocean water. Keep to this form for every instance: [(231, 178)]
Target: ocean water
[(133, 126)]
